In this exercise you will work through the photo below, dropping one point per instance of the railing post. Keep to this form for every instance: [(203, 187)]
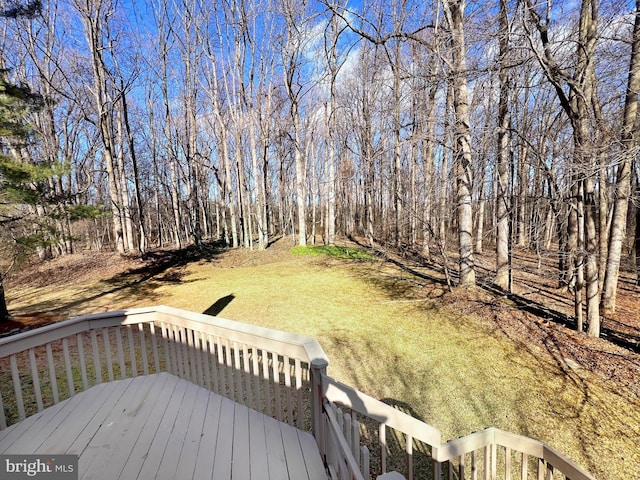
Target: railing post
[(437, 465), (318, 369)]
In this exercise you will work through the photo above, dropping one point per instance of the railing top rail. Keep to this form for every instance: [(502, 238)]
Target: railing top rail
[(519, 443), (293, 344), (563, 464), (335, 391), (55, 331), (283, 342)]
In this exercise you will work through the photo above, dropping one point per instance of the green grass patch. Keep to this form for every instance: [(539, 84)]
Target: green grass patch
[(334, 251)]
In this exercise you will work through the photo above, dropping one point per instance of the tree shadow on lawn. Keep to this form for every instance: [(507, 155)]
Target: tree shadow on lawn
[(568, 357), (405, 379), (158, 268), (625, 338)]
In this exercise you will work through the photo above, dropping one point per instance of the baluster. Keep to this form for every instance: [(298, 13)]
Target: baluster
[(122, 365), (236, 371), (246, 367), (347, 429), (487, 459), (17, 387), (550, 471), (276, 384), (83, 362), (3, 418), (298, 372), (143, 347), (266, 383), (541, 469), (175, 331), (196, 366), (190, 354), (67, 366), (205, 360), (107, 352), (409, 450), (154, 346), (228, 368), (96, 357), (474, 466), (168, 348), (52, 374), (255, 357), (221, 366), (286, 367), (174, 350), (382, 438), (214, 363), (36, 379), (355, 436), (364, 462), (132, 352)]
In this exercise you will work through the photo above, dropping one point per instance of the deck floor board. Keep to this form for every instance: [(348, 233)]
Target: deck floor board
[(160, 426)]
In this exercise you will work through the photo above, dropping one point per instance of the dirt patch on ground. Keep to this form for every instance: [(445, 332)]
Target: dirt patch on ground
[(277, 251), (75, 268)]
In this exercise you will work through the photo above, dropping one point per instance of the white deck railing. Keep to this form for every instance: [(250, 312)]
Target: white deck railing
[(279, 374)]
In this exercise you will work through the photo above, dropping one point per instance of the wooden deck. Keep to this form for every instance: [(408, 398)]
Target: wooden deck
[(162, 427)]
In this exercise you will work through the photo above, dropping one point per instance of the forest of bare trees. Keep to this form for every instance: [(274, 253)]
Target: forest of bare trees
[(431, 126)]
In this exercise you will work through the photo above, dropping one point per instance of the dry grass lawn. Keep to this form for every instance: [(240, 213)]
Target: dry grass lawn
[(396, 337)]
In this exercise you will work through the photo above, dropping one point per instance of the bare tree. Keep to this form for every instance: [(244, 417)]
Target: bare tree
[(576, 105), (95, 15), (292, 58), (502, 200), (628, 142), (454, 14)]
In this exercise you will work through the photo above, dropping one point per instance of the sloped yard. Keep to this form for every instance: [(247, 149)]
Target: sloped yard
[(458, 360)]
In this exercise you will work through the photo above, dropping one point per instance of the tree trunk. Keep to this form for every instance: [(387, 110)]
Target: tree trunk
[(523, 185), (581, 88), (142, 237), (4, 311), (93, 26), (429, 167), (502, 199), (396, 174), (454, 10), (623, 178)]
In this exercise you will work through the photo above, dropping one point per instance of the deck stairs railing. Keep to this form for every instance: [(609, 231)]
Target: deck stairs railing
[(276, 373)]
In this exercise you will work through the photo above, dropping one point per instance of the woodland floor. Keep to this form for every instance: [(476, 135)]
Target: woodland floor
[(535, 318)]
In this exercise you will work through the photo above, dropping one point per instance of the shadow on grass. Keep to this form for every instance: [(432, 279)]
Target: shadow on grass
[(620, 337), (220, 304), (157, 268)]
